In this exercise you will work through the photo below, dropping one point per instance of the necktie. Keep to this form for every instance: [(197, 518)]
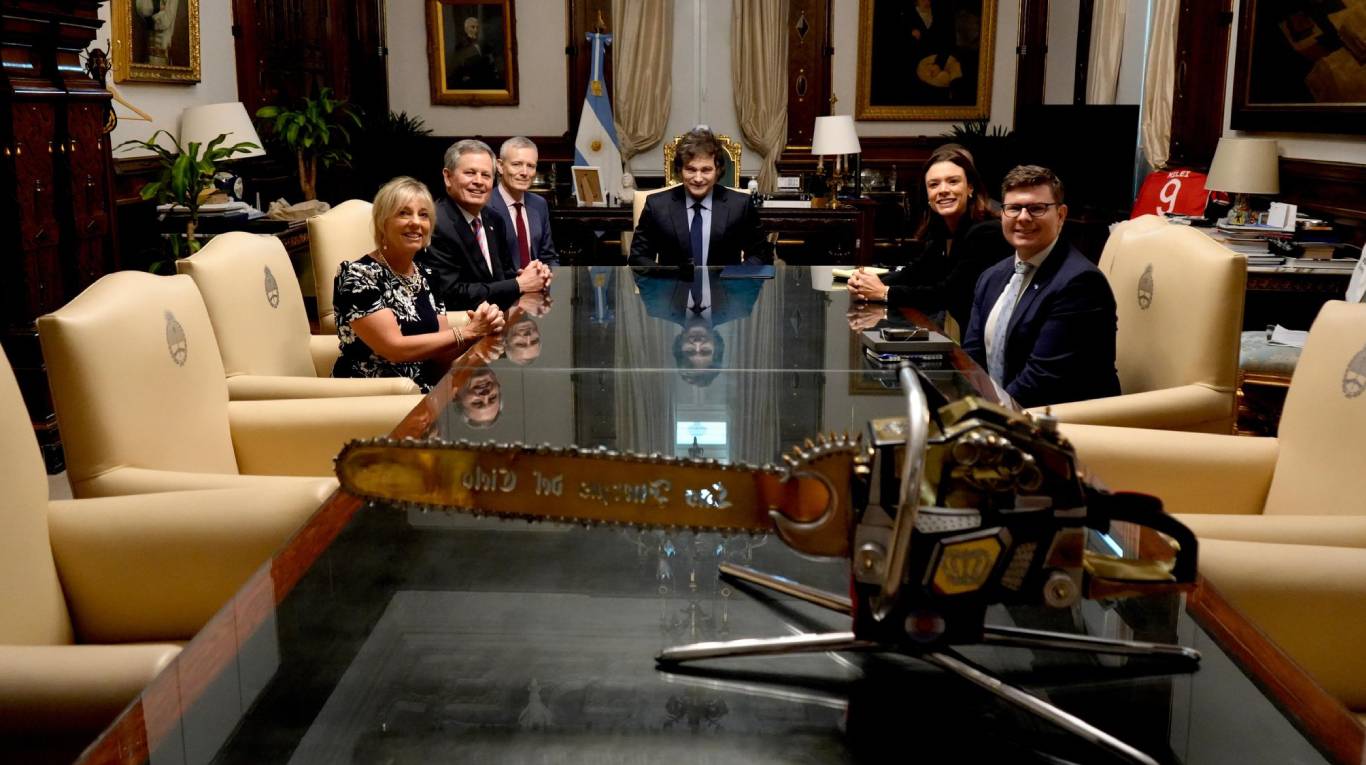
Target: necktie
[(523, 241), (996, 362), (695, 235), (478, 227), (699, 263)]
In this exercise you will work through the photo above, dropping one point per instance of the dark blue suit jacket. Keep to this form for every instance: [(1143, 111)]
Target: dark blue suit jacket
[(1061, 341), (538, 214), (460, 277), (662, 232)]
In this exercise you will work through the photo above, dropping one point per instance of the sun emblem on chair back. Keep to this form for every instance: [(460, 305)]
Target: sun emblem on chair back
[(1145, 288), (1354, 377), (272, 289), (176, 342)]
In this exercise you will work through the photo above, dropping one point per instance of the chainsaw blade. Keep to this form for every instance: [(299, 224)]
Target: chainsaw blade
[(807, 500)]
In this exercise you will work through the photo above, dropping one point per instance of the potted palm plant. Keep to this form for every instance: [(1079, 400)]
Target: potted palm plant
[(185, 174), (315, 132)]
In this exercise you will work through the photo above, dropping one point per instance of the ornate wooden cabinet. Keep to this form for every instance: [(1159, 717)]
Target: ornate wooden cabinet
[(56, 178)]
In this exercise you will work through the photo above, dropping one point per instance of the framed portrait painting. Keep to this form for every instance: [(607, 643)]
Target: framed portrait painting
[(156, 40), (1301, 66), (925, 59), (472, 52)]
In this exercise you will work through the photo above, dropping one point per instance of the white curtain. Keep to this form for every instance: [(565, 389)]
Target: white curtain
[(1107, 49), (644, 402), (1159, 82), (758, 65), (642, 59), (758, 395)]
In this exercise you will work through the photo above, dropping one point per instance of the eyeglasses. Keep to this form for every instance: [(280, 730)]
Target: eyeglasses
[(1036, 209)]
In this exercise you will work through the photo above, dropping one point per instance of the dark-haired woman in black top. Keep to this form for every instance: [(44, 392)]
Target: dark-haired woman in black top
[(961, 238)]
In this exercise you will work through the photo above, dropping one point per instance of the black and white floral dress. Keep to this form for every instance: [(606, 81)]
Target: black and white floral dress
[(365, 286)]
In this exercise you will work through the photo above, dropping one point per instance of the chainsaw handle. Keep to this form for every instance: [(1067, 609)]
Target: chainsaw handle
[(1145, 510)]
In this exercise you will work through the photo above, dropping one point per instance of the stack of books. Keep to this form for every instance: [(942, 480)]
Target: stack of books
[(1315, 239), (1251, 238)]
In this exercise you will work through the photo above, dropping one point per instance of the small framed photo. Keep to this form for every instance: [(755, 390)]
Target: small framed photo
[(588, 186), (472, 52), (156, 42)]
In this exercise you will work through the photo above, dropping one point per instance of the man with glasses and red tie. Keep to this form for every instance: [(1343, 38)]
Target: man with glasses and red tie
[(526, 215), (468, 255), (1043, 320)]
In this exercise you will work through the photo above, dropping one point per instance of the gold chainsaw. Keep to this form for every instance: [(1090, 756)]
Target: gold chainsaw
[(983, 505)]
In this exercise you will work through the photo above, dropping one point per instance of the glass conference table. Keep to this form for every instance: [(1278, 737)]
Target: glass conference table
[(381, 634)]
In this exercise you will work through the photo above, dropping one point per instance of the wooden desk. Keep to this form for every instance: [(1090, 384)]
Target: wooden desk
[(592, 236), (1290, 295)]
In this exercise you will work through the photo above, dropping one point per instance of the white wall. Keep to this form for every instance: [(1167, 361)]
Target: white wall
[(1322, 147), (1060, 65), (218, 78), (844, 36), (542, 72), (1060, 73)]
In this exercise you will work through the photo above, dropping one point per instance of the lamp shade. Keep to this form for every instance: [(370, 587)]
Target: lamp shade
[(203, 123), (1245, 166), (835, 135)]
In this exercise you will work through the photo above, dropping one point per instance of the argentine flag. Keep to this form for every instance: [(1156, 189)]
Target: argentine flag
[(596, 142)]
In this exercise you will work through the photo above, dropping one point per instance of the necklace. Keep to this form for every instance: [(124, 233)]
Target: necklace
[(411, 283)]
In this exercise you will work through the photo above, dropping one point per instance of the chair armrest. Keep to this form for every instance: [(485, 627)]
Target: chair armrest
[(1323, 530), (1196, 408), (47, 689), (325, 349), (1310, 600), (271, 387), (302, 436), (157, 566), (130, 480), (1189, 472)]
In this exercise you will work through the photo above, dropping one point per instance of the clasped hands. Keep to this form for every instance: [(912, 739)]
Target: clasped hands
[(866, 286), (487, 319), (535, 277)]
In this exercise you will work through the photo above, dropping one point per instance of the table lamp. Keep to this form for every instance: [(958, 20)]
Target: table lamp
[(205, 122), (835, 135), (1244, 166)]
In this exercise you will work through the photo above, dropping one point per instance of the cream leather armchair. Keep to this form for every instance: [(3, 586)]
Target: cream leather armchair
[(98, 593), (1179, 299), (343, 233), (1306, 486), (258, 317), (1310, 600), (142, 399)]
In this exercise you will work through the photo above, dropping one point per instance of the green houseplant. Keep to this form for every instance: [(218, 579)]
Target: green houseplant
[(185, 174), (315, 132)]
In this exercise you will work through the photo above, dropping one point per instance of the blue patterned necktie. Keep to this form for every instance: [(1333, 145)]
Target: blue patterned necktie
[(996, 362)]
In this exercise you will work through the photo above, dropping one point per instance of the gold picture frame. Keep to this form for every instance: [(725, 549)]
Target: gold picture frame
[(472, 52), (588, 185), (925, 59), (156, 41)]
